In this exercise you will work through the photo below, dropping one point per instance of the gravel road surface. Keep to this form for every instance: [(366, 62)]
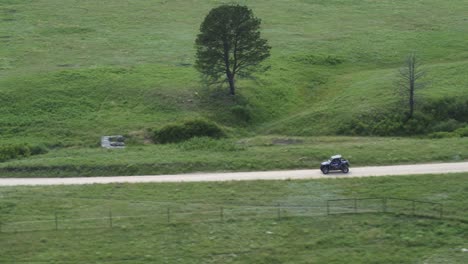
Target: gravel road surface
[(433, 168)]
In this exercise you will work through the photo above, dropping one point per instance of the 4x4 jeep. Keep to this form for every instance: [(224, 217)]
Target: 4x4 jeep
[(335, 163)]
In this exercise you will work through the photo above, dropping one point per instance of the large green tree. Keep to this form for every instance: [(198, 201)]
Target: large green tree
[(229, 44)]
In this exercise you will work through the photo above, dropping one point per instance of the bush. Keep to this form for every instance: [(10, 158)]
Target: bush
[(373, 124), (387, 127), (180, 132), (38, 149), (417, 125), (443, 135), (447, 108), (463, 132), (446, 126), (12, 152), (8, 152), (242, 113), (319, 59), (436, 115), (355, 127), (332, 60)]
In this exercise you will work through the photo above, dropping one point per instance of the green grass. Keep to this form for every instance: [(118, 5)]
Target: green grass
[(74, 71), (366, 92), (258, 153), (71, 72), (358, 238), (77, 107)]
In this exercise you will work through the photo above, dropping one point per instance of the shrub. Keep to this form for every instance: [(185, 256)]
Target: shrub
[(463, 132), (38, 149), (446, 126), (440, 115), (373, 124), (332, 60), (11, 152), (387, 126), (8, 152), (443, 135), (417, 125), (242, 113), (180, 132), (355, 127), (447, 108)]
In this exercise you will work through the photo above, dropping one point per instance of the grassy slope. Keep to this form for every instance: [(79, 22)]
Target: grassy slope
[(358, 239), (366, 92), (128, 66), (73, 71), (259, 153), (85, 104)]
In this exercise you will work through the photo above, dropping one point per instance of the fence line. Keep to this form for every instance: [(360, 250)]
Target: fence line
[(236, 213), (385, 205)]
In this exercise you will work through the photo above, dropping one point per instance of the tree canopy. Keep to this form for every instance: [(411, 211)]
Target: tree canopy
[(229, 44)]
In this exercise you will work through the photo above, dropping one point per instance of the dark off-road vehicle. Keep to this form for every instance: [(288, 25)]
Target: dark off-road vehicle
[(335, 163)]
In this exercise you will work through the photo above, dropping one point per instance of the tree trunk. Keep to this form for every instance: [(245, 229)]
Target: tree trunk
[(232, 88), (411, 101), (410, 75), (229, 73)]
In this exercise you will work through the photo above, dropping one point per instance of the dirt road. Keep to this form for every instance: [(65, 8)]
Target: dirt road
[(434, 168)]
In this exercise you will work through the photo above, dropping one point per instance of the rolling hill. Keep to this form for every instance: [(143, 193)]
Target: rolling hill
[(72, 71)]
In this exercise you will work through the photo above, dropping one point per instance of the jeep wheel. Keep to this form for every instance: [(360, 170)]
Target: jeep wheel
[(345, 169), (325, 170)]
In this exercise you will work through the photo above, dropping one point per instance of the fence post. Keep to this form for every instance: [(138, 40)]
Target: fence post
[(110, 218), (56, 222), (221, 214), (328, 208), (355, 205), (168, 214), (414, 207)]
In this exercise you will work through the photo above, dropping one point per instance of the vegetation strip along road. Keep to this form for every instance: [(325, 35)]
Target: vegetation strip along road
[(435, 168)]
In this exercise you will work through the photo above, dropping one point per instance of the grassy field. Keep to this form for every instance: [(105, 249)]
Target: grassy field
[(71, 72), (376, 238), (257, 153)]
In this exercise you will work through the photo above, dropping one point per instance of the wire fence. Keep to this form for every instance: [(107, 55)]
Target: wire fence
[(229, 213), (385, 205)]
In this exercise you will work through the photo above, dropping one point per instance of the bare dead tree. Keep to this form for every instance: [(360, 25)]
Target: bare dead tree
[(409, 82)]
